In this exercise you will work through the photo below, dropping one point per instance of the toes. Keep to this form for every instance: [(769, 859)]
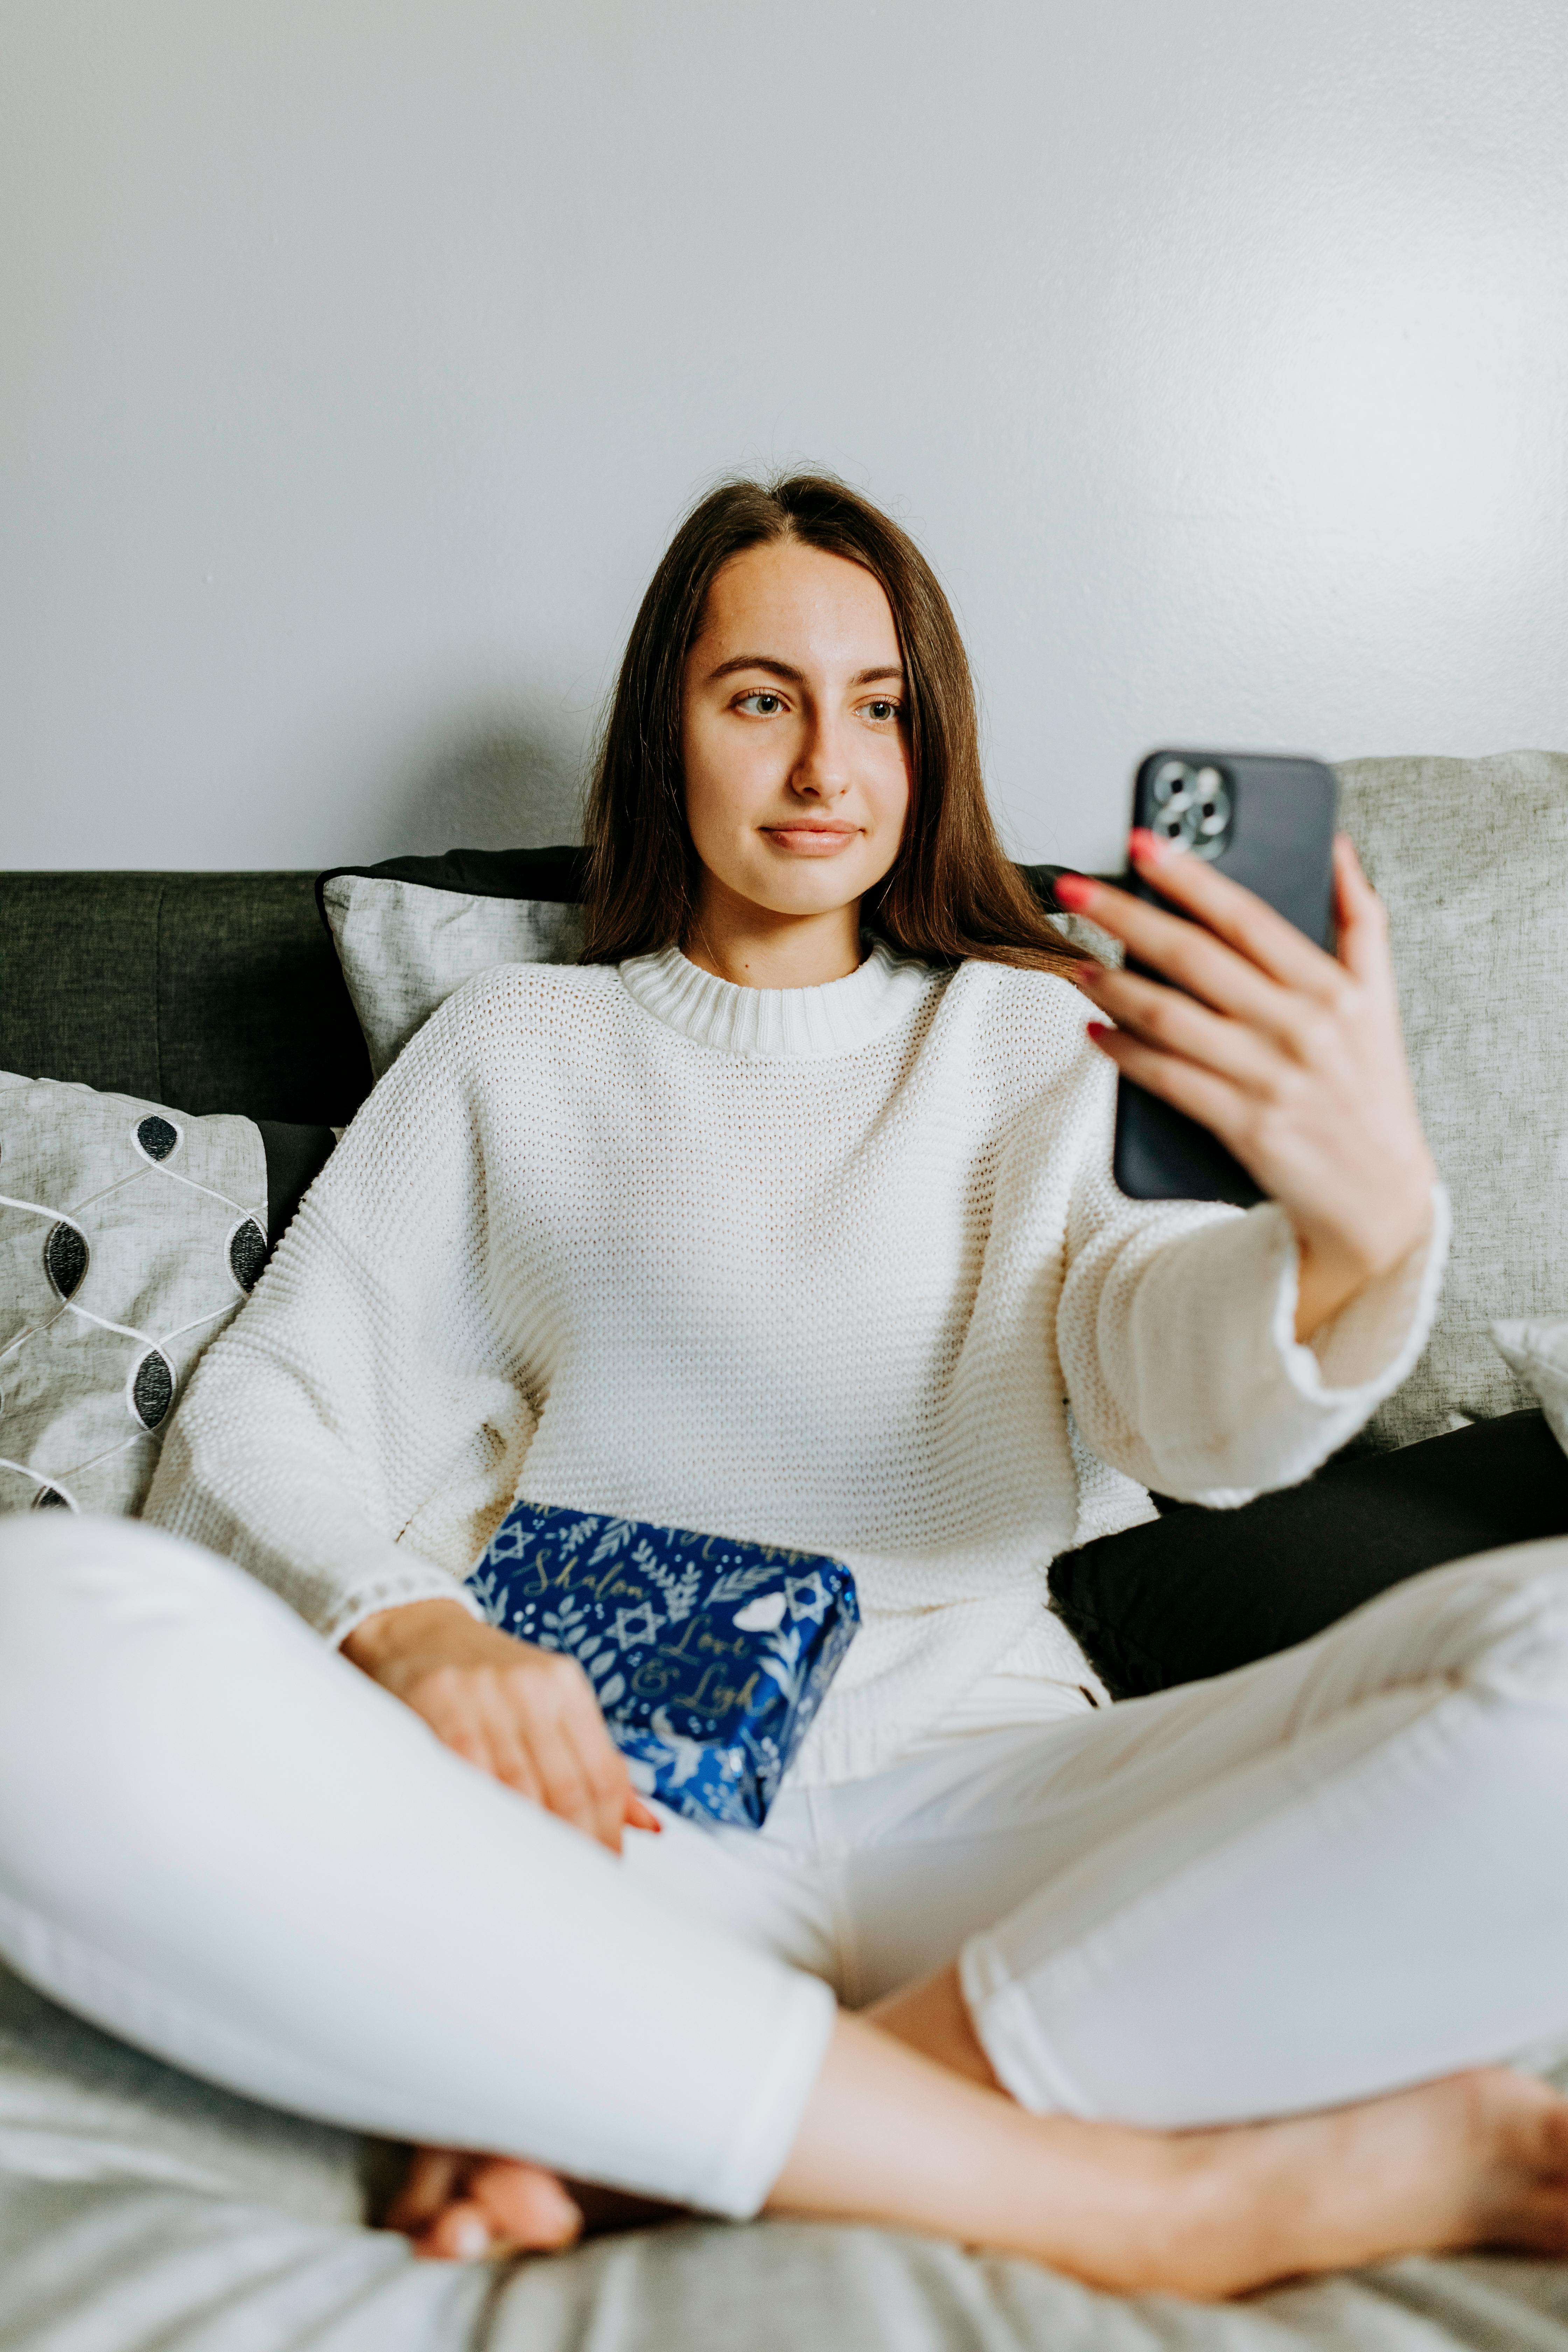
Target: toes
[(524, 2205), (458, 2234)]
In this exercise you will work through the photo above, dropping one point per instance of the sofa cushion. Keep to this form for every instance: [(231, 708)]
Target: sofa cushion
[(129, 1234), (1471, 859), (141, 2208)]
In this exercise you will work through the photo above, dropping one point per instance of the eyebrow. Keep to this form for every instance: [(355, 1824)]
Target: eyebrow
[(796, 676)]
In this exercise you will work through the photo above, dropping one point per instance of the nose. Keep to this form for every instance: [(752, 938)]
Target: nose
[(822, 773)]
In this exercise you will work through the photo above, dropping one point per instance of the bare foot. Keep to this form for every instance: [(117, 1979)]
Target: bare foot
[(1478, 2159), (892, 2134), (458, 2208), (462, 2207)]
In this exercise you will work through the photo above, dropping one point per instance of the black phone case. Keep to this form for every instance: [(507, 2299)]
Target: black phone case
[(1280, 845)]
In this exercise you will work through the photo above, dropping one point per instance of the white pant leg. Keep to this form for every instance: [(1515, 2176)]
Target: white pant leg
[(1335, 1872), (222, 1842)]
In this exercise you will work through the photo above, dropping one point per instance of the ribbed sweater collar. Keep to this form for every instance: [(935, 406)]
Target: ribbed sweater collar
[(775, 1024)]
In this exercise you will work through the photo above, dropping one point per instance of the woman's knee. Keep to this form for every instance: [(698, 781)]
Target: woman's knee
[(1497, 1621), (74, 1582)]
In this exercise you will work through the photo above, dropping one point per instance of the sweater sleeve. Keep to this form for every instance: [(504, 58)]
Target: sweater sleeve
[(354, 1436), (1176, 1333)]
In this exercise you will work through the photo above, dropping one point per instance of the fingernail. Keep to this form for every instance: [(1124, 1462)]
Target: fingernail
[(470, 2240), (1098, 1029), (1141, 842), (1087, 974), (1072, 890)]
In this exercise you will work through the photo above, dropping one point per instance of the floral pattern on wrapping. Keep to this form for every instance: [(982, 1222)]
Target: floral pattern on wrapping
[(709, 1657)]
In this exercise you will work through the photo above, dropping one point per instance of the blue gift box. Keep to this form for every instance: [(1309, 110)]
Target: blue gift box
[(708, 1656)]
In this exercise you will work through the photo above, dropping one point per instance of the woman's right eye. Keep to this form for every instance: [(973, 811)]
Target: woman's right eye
[(761, 705)]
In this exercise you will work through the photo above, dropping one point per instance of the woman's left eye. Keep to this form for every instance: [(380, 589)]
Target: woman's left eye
[(881, 709)]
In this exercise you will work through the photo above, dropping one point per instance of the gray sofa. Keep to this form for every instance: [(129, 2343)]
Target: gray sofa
[(140, 2208)]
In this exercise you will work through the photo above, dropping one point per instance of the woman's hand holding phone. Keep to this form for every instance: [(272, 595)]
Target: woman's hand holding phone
[(1293, 1058)]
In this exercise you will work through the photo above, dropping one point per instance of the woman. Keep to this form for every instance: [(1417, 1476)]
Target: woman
[(738, 1225)]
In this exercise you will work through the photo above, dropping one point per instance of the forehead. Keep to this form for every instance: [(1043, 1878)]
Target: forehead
[(800, 605)]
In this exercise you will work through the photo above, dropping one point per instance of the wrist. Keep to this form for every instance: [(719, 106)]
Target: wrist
[(388, 1635), (1333, 1268)]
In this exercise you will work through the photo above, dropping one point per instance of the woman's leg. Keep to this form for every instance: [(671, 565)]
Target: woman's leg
[(218, 1840), (1325, 1876), (222, 1842)]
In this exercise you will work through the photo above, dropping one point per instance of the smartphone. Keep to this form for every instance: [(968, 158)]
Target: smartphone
[(1269, 824)]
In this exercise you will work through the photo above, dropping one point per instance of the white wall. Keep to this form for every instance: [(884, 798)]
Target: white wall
[(357, 357)]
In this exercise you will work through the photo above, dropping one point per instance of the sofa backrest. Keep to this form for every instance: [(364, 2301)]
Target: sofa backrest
[(207, 992)]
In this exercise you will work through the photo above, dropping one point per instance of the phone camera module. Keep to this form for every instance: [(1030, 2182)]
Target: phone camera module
[(1191, 807)]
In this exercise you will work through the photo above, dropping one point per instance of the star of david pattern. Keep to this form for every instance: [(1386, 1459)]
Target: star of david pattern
[(709, 1656), (130, 1235)]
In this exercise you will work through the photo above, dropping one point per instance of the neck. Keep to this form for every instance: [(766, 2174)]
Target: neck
[(753, 946)]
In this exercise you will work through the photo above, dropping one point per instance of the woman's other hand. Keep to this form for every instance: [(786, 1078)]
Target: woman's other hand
[(524, 1714), (1293, 1058)]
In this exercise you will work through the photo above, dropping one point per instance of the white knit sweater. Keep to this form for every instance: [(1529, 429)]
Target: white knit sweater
[(820, 1267)]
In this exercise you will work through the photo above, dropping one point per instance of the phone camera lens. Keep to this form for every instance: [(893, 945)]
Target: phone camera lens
[(1191, 807), (1210, 813)]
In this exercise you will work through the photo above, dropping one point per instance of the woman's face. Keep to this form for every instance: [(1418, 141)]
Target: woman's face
[(794, 734)]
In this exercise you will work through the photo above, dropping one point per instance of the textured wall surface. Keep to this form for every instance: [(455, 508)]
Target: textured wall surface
[(358, 358)]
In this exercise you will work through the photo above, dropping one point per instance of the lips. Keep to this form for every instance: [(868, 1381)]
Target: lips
[(810, 840)]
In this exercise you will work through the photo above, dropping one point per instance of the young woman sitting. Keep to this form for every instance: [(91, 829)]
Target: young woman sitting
[(788, 1214)]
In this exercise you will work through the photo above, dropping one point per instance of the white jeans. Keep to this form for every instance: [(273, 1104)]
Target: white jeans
[(1337, 1871)]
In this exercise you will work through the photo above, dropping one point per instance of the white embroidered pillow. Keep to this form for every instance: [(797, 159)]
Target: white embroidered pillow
[(129, 1234)]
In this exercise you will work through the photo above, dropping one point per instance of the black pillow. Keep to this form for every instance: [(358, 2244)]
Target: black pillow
[(1198, 1592), (295, 1158)]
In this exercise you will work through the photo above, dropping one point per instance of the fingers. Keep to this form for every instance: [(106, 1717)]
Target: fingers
[(1213, 1101), (526, 1715), (1245, 922), (1360, 917), (1177, 1025), (584, 1776), (1237, 954)]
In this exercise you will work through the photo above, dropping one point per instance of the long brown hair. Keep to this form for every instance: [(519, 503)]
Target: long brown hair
[(951, 891)]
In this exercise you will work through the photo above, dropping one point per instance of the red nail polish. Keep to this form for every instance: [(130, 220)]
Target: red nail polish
[(1072, 891), (1088, 973), (1141, 842), (1098, 1029)]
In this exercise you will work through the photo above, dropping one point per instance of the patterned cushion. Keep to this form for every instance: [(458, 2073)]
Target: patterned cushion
[(129, 1234), (1472, 858)]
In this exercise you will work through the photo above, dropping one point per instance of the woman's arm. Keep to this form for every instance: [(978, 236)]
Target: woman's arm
[(353, 1437), (1210, 1353)]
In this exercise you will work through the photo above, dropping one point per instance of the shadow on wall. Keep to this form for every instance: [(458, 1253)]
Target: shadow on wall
[(515, 784)]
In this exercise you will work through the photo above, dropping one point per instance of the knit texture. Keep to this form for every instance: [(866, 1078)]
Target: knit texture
[(825, 1268)]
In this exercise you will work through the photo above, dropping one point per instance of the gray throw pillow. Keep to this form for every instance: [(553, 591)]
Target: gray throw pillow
[(405, 946), (130, 1235), (1471, 859), (1538, 1353)]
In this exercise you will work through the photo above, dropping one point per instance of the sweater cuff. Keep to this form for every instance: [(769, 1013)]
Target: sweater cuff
[(1362, 1353), (396, 1591)]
